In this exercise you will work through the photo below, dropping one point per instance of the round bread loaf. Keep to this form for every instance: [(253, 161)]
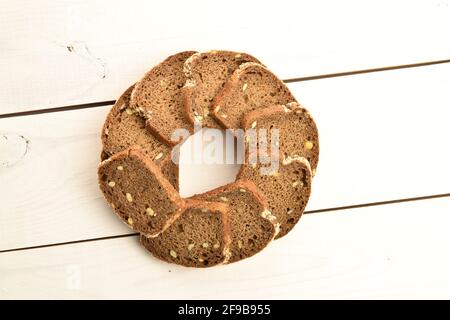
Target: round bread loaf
[(216, 89)]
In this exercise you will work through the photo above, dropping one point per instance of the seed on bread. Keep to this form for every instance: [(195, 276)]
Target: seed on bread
[(277, 229), (244, 87), (111, 184), (266, 214), (120, 168), (159, 156), (309, 145), (191, 246), (205, 245), (129, 197), (198, 118), (130, 221), (150, 212), (173, 253)]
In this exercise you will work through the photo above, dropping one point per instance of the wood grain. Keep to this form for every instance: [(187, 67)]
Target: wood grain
[(383, 137), (389, 252), (81, 51)]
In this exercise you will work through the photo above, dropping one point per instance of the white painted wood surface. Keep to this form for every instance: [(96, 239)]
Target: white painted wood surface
[(382, 138), (55, 53), (393, 251)]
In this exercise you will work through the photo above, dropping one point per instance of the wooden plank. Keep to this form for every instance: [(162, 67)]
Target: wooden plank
[(71, 52), (392, 251), (382, 138), (49, 179), (383, 135)]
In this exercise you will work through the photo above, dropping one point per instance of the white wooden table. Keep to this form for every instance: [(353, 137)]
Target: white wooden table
[(375, 76)]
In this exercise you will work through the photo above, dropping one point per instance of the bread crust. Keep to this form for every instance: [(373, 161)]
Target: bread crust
[(253, 118), (146, 110), (247, 172), (152, 246), (191, 85), (173, 195), (112, 113), (111, 123), (245, 186), (220, 112)]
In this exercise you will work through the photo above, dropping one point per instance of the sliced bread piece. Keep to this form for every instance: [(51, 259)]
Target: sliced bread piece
[(252, 226), (157, 97), (298, 135), (138, 192), (124, 128), (287, 189), (198, 238), (251, 86), (206, 74)]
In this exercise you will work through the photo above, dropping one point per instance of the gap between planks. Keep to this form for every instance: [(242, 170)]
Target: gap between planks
[(309, 78), (380, 203)]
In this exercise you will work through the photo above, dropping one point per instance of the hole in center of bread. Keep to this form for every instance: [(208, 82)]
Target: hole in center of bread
[(210, 158)]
